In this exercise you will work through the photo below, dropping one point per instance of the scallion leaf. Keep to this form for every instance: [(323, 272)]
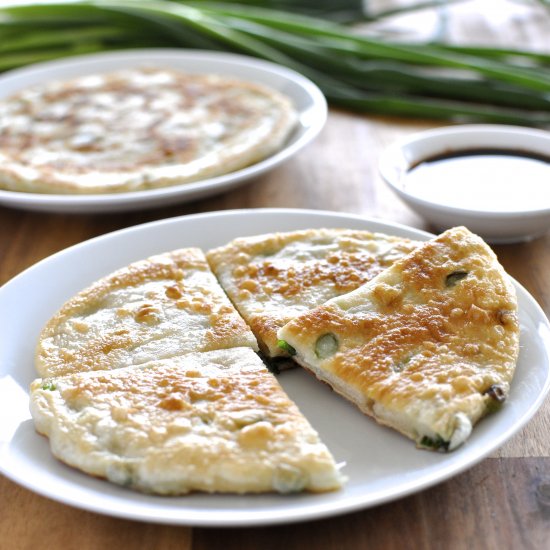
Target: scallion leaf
[(365, 74)]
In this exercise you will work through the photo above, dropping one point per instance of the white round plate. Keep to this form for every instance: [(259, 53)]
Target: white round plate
[(306, 96), (381, 464)]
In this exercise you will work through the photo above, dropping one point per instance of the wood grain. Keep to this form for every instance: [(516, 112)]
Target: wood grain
[(29, 521), (498, 504), (451, 515)]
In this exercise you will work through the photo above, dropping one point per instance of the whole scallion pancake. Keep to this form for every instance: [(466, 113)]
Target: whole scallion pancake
[(137, 129)]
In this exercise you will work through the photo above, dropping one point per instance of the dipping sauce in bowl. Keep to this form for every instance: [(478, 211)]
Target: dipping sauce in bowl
[(494, 179), (483, 179)]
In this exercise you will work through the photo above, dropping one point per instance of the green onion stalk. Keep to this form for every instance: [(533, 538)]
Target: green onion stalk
[(370, 75)]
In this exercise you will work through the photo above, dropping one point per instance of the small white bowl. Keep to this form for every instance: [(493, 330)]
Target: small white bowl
[(527, 214)]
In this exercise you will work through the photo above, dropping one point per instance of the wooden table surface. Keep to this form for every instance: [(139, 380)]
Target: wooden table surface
[(502, 502)]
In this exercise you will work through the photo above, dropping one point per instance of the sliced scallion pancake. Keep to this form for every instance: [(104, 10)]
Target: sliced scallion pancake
[(427, 347)]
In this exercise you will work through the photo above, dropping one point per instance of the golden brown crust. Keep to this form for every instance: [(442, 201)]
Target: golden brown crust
[(213, 421), (433, 336), (137, 129), (427, 345), (273, 278), (167, 305)]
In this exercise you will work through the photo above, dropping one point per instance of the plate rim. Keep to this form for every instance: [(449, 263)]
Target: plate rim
[(180, 193), (314, 511)]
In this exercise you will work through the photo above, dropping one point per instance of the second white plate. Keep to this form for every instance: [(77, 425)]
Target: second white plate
[(306, 96), (381, 464)]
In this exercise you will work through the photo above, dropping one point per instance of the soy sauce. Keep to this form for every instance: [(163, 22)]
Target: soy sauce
[(499, 180)]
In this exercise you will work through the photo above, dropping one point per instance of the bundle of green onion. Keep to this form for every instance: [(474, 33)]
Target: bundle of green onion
[(364, 74)]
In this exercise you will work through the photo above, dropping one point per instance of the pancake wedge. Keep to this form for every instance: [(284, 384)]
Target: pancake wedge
[(161, 307), (427, 347), (275, 277), (137, 129), (215, 421)]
